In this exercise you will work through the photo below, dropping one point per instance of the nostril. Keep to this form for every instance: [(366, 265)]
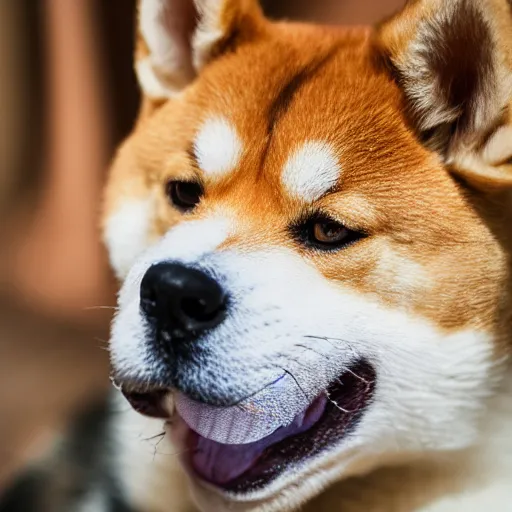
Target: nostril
[(201, 310)]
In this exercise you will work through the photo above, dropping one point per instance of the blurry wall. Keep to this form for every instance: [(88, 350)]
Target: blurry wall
[(67, 96), (12, 93)]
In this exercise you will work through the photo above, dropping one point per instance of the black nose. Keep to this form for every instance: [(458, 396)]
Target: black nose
[(183, 301)]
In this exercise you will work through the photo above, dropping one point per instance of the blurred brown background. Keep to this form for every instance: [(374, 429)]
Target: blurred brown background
[(68, 96)]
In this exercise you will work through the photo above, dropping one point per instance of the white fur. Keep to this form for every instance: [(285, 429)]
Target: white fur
[(187, 242), (217, 147), (162, 46), (488, 467), (147, 464), (400, 276), (151, 84), (151, 476), (209, 30), (127, 233), (175, 55), (431, 387), (126, 349), (311, 171), (425, 377), (498, 148), (167, 49)]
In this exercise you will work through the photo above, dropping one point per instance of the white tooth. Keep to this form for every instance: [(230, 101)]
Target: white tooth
[(250, 420)]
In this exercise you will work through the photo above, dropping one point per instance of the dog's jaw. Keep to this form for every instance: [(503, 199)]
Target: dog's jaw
[(151, 476)]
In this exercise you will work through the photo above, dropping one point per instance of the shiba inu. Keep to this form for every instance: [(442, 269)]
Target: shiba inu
[(311, 229)]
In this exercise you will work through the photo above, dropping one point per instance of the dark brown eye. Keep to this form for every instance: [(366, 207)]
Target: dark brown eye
[(329, 232), (324, 233), (185, 195)]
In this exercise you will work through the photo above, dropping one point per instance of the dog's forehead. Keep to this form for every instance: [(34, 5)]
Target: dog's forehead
[(304, 120), (290, 111)]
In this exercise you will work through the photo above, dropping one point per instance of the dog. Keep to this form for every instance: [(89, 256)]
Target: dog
[(311, 227)]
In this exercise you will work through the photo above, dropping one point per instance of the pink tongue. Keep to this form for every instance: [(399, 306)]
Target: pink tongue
[(249, 421), (220, 464)]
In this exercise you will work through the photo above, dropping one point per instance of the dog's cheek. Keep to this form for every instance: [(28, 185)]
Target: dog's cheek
[(129, 351), (127, 233)]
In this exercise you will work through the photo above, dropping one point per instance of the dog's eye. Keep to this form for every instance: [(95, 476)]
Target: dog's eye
[(322, 232), (184, 194), (329, 232)]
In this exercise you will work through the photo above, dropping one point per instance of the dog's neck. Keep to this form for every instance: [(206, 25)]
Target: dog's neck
[(468, 480)]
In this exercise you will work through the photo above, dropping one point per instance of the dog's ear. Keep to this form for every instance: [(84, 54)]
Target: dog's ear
[(453, 60), (176, 38)]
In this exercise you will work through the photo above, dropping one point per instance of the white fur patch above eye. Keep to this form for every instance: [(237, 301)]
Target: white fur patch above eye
[(217, 147), (311, 171)]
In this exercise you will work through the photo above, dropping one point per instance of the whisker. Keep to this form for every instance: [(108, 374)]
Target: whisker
[(312, 336), (313, 350), (333, 402), (157, 444), (117, 386), (88, 308), (325, 338), (297, 382), (102, 344), (346, 369), (362, 379), (330, 340), (299, 363), (159, 436)]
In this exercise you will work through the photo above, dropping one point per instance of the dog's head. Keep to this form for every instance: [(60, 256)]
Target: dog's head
[(309, 227)]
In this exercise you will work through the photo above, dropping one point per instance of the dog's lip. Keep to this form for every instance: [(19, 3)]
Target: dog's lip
[(150, 399), (149, 403), (345, 405)]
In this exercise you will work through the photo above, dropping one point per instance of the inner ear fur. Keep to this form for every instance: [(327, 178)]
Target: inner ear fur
[(177, 38), (453, 61)]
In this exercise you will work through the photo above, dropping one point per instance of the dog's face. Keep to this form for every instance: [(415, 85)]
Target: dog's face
[(309, 286)]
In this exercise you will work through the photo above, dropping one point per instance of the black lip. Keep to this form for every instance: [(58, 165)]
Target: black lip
[(349, 396), (149, 404)]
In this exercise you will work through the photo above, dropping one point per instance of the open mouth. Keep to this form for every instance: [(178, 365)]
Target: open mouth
[(240, 468)]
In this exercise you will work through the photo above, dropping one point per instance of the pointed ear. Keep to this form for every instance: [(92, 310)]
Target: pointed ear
[(453, 61), (176, 38)]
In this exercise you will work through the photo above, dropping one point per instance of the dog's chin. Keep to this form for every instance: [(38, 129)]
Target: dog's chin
[(261, 470)]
